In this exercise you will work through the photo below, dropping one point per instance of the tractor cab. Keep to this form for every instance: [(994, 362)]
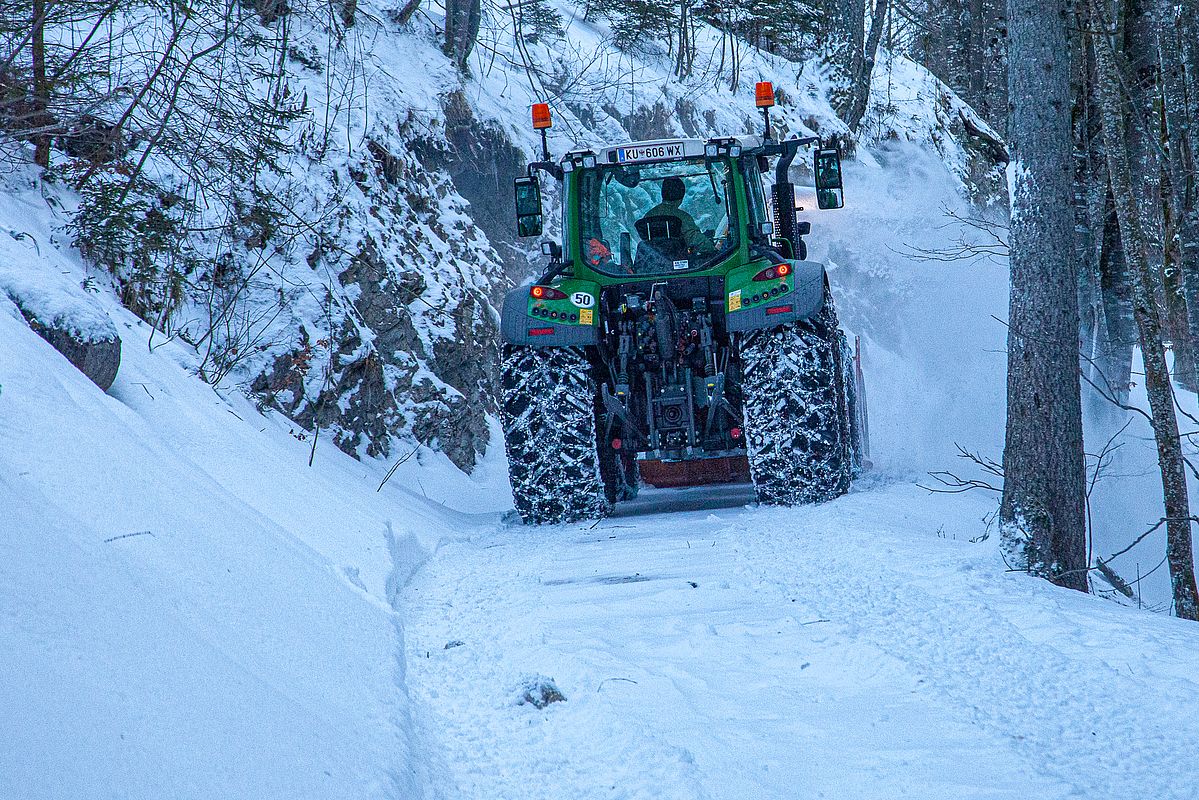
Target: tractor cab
[(640, 216)]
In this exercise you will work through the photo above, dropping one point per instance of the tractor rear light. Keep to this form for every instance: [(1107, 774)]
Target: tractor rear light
[(763, 94), (735, 433), (540, 331), (770, 273), (617, 444), (546, 293), (778, 310), (541, 117)]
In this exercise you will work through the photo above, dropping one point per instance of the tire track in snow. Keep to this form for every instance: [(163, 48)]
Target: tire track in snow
[(724, 688)]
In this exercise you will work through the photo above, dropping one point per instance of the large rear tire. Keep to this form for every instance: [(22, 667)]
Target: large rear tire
[(797, 419), (548, 416)]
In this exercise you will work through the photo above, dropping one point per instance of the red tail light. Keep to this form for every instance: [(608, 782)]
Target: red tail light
[(735, 433), (617, 444), (546, 293), (540, 331), (770, 273)]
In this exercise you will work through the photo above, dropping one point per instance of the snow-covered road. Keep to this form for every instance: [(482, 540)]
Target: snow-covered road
[(861, 649)]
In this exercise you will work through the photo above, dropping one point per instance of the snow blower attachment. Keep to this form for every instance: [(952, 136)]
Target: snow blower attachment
[(679, 335)]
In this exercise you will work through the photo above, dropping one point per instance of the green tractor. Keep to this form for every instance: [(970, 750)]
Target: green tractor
[(679, 335)]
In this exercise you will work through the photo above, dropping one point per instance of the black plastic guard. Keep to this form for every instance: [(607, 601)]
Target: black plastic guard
[(804, 302), (517, 326)]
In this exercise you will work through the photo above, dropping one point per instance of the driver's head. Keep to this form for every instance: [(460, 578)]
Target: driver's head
[(673, 190)]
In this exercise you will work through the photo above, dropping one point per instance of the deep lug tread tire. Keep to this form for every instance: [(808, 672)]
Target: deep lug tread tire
[(797, 424), (549, 422)]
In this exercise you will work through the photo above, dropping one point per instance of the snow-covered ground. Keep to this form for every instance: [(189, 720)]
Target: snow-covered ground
[(869, 647)]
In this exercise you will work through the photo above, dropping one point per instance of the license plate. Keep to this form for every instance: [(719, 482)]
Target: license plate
[(650, 152)]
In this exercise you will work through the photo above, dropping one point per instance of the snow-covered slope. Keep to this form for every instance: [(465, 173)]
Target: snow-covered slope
[(189, 609), (352, 285)]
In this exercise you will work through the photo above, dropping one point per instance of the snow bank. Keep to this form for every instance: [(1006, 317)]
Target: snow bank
[(190, 610)]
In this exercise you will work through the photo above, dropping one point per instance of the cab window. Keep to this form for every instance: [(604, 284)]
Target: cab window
[(653, 219)]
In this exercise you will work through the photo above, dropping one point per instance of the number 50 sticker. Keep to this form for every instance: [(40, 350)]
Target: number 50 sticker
[(582, 300)]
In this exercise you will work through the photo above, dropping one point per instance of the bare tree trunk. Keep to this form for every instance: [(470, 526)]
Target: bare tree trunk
[(1157, 376), (1090, 190), (41, 90), (1179, 203), (462, 18), (1115, 284), (1042, 520), (861, 82), (1173, 280), (407, 11), (1147, 42), (847, 32)]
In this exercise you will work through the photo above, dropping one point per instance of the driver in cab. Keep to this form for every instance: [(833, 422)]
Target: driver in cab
[(673, 191)]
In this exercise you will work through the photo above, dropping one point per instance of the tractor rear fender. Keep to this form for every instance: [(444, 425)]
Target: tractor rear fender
[(564, 315), (767, 303)]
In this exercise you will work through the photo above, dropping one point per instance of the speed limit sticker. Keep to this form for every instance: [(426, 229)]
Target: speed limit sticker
[(582, 300)]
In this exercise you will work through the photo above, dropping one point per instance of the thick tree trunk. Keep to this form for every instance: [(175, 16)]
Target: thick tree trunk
[(1157, 376), (1042, 514)]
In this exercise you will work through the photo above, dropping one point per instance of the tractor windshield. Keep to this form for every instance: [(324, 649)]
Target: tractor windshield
[(654, 219)]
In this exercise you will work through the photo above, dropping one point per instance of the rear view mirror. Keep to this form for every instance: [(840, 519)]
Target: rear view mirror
[(829, 192), (528, 207)]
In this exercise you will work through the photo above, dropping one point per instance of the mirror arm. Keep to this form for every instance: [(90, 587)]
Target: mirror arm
[(787, 145), (556, 268), (548, 167), (783, 167)]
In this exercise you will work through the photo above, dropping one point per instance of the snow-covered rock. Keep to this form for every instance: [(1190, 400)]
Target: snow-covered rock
[(60, 310)]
